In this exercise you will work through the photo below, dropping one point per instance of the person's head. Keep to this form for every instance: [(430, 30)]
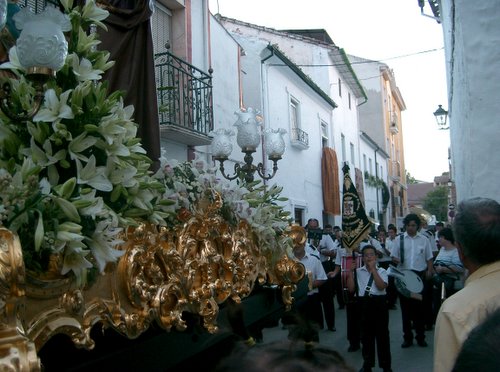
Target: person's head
[(338, 233), (445, 236), (369, 253), (477, 231), (412, 223), (284, 356), (439, 226), (480, 349), (380, 228), (328, 228), (381, 235), (392, 231), (312, 223)]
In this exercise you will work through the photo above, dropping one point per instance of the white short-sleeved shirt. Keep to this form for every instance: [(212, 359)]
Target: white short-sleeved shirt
[(327, 244), (417, 251), (313, 264), (363, 276)]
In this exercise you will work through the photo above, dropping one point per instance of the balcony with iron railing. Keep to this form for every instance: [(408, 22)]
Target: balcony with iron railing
[(184, 100), (299, 138)]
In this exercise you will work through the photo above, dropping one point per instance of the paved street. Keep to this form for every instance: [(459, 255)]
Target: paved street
[(413, 359)]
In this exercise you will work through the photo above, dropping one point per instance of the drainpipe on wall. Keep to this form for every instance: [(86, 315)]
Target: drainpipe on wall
[(265, 101), (376, 188)]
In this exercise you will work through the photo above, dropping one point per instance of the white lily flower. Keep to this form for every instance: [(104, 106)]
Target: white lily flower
[(103, 242), (13, 63), (67, 4), (94, 13), (96, 208), (74, 260), (45, 158), (110, 128), (54, 108), (84, 70), (124, 176), (92, 175), (80, 144)]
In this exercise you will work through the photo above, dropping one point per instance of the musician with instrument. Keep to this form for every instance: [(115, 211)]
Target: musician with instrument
[(413, 252), (370, 282)]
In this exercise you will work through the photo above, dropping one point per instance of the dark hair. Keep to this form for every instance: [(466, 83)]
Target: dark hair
[(477, 230), (480, 349), (328, 226), (284, 356), (311, 220), (440, 224), (412, 217), (392, 227), (336, 227), (447, 233), (368, 246)]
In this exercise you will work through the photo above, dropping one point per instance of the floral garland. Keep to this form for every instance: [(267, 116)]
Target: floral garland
[(76, 176)]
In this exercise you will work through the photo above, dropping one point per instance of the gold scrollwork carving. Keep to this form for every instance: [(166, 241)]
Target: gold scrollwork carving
[(162, 274)]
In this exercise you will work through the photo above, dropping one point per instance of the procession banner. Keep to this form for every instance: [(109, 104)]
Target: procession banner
[(355, 223)]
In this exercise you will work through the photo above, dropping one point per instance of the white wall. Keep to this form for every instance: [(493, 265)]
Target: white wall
[(371, 192), (472, 46)]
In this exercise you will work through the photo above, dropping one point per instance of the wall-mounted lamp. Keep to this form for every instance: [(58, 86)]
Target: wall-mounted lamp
[(41, 49), (435, 7), (248, 138), (441, 116)]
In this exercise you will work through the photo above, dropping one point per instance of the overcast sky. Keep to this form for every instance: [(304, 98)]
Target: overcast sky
[(391, 31)]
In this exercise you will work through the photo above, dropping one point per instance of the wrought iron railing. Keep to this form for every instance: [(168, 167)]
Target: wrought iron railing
[(184, 94), (299, 135), (37, 5)]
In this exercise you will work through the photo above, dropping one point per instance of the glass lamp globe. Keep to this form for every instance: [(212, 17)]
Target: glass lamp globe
[(42, 47), (274, 143)]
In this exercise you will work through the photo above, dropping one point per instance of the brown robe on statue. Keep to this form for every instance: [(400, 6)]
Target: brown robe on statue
[(130, 44)]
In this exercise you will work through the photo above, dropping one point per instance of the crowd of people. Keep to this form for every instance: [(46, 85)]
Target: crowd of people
[(447, 279)]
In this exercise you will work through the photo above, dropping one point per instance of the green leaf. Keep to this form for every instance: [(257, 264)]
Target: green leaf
[(39, 232)]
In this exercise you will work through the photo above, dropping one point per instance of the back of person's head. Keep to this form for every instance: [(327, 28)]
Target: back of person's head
[(480, 349), (439, 224), (477, 230), (447, 233), (284, 356), (412, 217)]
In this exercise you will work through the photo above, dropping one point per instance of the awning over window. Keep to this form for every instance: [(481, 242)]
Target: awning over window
[(330, 181)]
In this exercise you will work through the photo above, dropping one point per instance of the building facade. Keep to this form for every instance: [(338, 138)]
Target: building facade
[(381, 119)]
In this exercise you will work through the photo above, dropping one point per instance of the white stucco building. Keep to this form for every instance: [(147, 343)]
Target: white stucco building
[(472, 49), (307, 110)]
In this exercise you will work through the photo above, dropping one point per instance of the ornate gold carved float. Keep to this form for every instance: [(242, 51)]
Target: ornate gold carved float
[(162, 273)]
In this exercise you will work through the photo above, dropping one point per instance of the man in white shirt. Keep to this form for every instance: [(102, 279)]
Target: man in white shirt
[(311, 308), (325, 248), (476, 229), (414, 254), (371, 283)]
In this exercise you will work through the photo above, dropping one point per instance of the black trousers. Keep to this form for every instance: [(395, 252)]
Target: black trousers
[(413, 311), (311, 311), (326, 293), (353, 323), (375, 331)]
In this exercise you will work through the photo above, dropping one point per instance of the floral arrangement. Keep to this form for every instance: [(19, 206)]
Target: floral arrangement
[(188, 183), (75, 176)]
